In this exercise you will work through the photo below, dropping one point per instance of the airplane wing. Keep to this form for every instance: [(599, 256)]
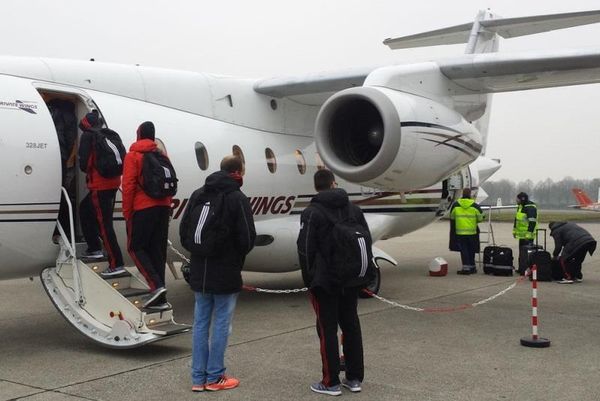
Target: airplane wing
[(501, 72), (475, 73)]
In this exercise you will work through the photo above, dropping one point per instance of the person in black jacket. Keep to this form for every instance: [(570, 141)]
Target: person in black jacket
[(333, 304), (572, 243), (217, 279)]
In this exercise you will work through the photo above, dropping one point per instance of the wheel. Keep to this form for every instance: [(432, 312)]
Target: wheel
[(373, 285)]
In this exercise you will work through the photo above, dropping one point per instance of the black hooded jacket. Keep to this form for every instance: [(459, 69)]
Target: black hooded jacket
[(222, 274), (570, 238), (314, 240)]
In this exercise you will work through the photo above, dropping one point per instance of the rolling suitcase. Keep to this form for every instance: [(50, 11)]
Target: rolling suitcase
[(537, 255), (498, 260)]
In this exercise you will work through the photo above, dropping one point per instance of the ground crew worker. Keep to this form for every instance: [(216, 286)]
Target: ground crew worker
[(525, 227), (464, 216)]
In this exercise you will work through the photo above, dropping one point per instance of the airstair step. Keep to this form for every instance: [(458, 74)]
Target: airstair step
[(169, 328), (133, 292), (93, 260)]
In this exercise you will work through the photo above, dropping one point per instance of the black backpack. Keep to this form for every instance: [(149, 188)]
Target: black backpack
[(110, 153), (351, 257), (204, 229), (158, 174)]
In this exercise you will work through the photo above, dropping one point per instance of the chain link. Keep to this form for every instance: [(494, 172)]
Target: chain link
[(451, 308), (246, 287), (380, 298), (267, 291)]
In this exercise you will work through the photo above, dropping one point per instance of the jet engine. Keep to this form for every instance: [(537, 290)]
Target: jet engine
[(393, 140)]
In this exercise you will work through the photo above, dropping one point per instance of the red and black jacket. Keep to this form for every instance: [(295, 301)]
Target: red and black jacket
[(134, 197), (87, 164)]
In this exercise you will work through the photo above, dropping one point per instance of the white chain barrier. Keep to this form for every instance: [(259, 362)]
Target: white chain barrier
[(380, 298)]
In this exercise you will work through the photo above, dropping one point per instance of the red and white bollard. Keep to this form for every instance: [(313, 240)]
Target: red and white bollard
[(535, 340)]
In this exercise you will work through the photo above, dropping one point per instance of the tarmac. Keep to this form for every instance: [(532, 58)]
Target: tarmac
[(470, 354)]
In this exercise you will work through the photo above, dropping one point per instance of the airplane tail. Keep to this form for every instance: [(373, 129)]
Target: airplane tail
[(482, 36), (582, 198)]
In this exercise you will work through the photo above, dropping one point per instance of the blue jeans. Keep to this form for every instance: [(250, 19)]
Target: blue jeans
[(208, 356)]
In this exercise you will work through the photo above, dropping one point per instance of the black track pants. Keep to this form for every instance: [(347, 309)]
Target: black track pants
[(147, 234), (333, 310), (96, 214)]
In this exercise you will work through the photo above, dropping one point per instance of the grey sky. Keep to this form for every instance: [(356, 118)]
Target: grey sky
[(537, 134)]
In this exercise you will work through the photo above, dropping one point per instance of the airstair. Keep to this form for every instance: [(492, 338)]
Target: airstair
[(107, 311)]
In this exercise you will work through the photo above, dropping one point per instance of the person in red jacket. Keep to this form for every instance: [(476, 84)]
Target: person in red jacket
[(147, 219), (96, 209)]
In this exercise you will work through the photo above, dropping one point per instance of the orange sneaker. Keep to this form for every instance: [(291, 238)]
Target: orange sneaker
[(224, 383), (197, 388)]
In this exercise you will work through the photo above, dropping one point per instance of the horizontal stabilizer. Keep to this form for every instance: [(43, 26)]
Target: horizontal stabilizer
[(505, 27)]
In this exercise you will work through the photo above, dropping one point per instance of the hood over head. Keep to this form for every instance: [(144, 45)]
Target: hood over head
[(143, 146), (221, 181), (335, 198)]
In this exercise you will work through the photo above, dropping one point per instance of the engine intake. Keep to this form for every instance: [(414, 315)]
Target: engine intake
[(392, 140)]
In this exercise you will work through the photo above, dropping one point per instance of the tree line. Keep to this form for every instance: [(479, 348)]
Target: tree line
[(546, 193)]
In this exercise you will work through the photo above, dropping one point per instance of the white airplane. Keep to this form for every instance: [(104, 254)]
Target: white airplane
[(403, 139)]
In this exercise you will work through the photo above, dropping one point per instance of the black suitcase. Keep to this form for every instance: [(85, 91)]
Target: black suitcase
[(543, 261), (537, 255), (498, 260)]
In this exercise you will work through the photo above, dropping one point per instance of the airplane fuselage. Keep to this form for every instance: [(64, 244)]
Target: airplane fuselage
[(219, 116)]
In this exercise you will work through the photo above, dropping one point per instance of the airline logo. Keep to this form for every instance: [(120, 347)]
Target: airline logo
[(26, 106), (260, 205)]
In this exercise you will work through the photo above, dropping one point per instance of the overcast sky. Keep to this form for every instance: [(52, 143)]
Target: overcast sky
[(537, 134)]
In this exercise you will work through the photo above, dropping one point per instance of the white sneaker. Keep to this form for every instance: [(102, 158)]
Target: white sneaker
[(565, 281)]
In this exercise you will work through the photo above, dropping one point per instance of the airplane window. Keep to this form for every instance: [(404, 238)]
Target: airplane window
[(238, 152), (271, 161), (320, 164), (201, 155), (300, 161), (160, 145)]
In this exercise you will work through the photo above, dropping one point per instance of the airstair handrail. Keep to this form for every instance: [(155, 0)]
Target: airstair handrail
[(70, 242)]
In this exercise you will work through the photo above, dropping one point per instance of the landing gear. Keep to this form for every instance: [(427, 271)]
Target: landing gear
[(373, 285)]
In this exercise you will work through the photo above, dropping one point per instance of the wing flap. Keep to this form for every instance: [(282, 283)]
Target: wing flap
[(312, 83), (500, 72)]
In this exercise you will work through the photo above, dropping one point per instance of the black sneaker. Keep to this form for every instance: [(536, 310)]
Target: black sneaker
[(115, 273), (160, 306), (93, 254), (155, 297), (464, 272)]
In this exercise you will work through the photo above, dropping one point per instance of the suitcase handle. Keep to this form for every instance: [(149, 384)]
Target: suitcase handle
[(537, 231)]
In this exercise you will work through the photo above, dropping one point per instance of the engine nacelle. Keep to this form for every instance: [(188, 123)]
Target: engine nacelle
[(393, 140)]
